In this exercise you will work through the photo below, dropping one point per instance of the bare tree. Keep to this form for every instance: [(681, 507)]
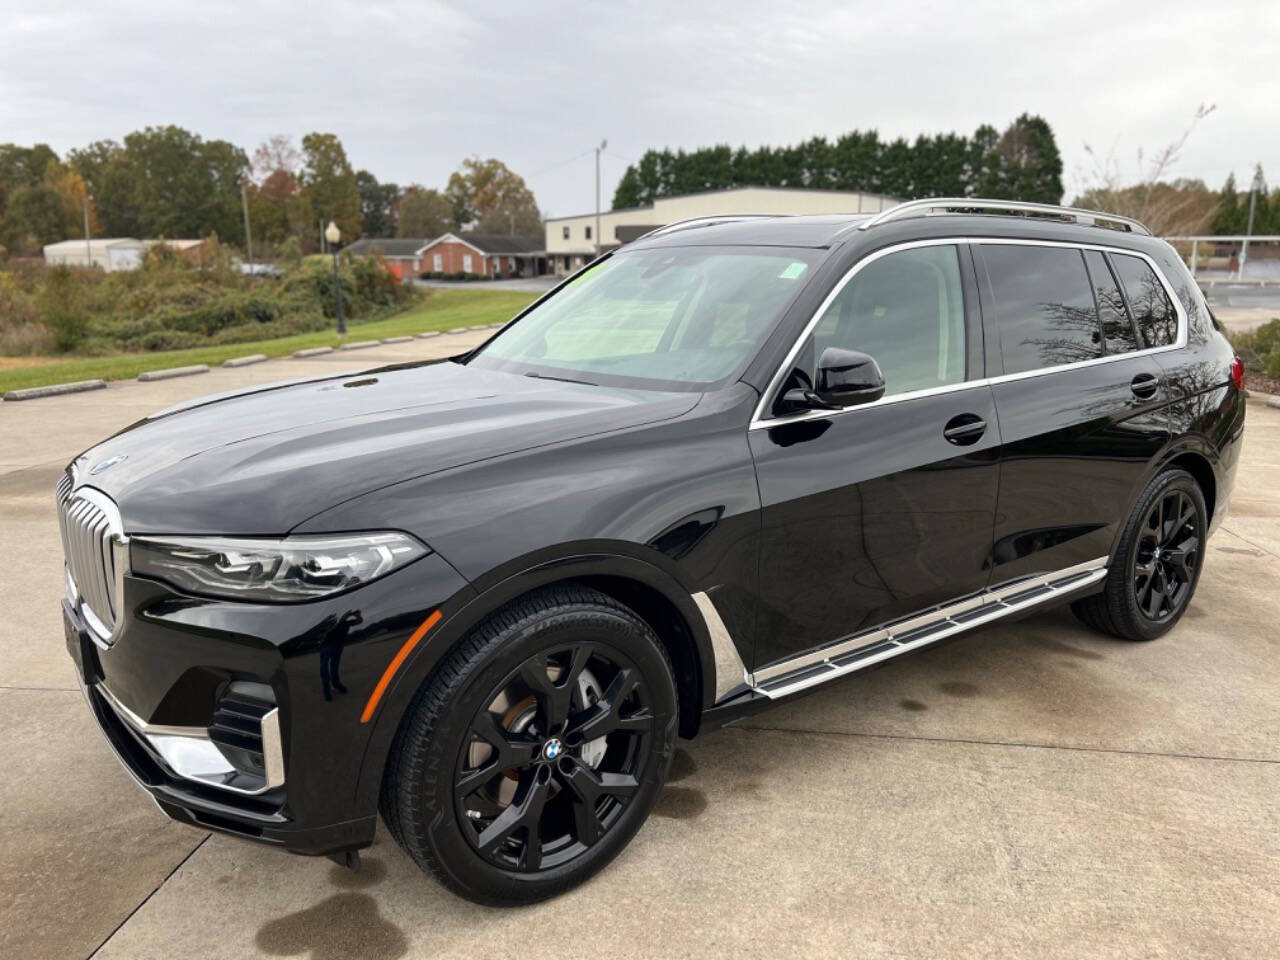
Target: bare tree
[(276, 153), (1167, 207)]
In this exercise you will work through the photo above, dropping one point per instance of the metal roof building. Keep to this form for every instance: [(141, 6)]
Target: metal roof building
[(118, 253)]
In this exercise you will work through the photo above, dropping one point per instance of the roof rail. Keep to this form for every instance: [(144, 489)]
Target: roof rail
[(707, 221), (928, 207)]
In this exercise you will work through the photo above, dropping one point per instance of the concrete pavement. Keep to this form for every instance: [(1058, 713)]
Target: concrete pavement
[(1031, 789)]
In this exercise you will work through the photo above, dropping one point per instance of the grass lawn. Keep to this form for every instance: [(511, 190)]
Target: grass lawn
[(442, 310)]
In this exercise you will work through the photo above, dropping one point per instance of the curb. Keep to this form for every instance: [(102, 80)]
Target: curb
[(458, 330), (429, 334), (356, 345), (245, 361), (172, 372), (55, 389), (312, 352), (396, 339)]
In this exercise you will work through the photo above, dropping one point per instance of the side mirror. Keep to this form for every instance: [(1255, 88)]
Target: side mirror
[(845, 378)]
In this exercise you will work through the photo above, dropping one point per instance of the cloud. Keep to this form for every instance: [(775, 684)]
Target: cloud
[(414, 87)]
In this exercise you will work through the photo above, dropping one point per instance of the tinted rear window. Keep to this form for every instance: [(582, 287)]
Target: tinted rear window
[(1043, 306), (1148, 301), (1117, 330)]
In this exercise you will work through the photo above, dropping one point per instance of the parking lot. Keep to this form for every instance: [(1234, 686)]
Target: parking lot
[(1030, 790)]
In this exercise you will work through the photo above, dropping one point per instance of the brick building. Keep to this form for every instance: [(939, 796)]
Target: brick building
[(485, 254), (403, 254)]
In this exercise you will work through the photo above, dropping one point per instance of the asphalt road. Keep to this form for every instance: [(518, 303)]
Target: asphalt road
[(1031, 790), (1243, 295)]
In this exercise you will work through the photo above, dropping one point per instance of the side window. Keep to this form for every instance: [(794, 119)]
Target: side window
[(1117, 331), (1044, 309), (1148, 302), (907, 311)]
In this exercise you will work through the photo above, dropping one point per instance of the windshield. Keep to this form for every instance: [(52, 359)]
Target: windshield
[(665, 318)]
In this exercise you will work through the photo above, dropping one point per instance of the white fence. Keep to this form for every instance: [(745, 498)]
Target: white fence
[(1214, 258)]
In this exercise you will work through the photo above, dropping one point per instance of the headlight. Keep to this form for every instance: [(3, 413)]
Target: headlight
[(272, 571)]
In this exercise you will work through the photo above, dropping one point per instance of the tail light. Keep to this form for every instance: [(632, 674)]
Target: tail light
[(1237, 373)]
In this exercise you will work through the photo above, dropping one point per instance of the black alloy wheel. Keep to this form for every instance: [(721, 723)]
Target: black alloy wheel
[(1157, 562), (535, 750), (554, 757), (1167, 555)]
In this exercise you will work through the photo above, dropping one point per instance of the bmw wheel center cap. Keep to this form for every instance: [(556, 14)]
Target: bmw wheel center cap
[(552, 748)]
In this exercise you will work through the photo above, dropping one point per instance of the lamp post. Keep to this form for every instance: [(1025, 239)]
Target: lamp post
[(333, 235), (88, 247), (603, 144)]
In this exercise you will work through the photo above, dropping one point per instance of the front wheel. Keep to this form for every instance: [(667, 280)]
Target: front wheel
[(1154, 572), (536, 750)]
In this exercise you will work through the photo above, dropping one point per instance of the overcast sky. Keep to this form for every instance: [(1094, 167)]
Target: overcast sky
[(413, 87)]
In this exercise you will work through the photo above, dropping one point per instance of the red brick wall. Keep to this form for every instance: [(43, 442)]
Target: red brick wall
[(451, 257)]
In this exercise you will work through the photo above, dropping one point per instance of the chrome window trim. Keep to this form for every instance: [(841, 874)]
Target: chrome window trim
[(761, 420)]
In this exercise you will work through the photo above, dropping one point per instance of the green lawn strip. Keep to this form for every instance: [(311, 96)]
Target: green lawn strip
[(442, 310)]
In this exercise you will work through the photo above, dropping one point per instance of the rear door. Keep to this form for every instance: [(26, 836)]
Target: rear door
[(1078, 398), (871, 513)]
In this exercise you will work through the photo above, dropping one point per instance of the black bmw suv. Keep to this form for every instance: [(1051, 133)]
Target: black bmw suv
[(729, 462)]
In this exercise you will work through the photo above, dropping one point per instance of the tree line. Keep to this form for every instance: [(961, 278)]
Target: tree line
[(1022, 163), (170, 182), (1232, 216)]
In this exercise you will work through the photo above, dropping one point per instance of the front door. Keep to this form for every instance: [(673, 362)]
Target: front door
[(877, 511)]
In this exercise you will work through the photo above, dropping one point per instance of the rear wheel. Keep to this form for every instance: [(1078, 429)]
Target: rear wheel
[(1157, 566), (535, 752)]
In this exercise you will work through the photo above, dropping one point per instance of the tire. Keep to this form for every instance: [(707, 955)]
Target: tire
[(1155, 570), (475, 790)]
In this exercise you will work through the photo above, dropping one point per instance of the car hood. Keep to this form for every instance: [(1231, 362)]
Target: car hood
[(262, 461)]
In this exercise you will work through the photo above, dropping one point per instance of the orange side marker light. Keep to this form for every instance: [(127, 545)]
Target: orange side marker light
[(395, 664)]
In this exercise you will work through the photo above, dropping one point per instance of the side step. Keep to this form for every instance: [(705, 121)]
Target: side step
[(882, 643)]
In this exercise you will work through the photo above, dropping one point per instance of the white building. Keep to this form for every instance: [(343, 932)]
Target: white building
[(121, 253), (571, 241)]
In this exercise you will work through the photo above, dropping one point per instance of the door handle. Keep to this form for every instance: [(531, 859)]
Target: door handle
[(964, 429), (1144, 386)]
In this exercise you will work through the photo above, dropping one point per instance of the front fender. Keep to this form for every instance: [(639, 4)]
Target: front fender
[(507, 582)]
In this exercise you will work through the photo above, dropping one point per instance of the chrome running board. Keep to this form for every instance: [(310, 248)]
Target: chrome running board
[(883, 643)]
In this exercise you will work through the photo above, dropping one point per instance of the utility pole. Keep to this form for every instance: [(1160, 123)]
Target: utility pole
[(248, 237), (88, 247), (1248, 230), (603, 144)]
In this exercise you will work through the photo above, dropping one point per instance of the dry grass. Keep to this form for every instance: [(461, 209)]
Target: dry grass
[(19, 341)]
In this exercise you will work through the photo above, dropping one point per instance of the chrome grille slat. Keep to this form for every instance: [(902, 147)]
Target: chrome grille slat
[(91, 532)]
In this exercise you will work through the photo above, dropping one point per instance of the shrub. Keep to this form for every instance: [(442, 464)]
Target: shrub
[(21, 332), (169, 340), (1260, 349), (62, 308), (171, 302), (291, 253)]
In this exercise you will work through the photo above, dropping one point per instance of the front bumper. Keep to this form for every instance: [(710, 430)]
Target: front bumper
[(154, 691)]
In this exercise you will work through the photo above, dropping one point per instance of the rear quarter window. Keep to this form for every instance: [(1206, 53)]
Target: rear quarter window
[(1149, 303)]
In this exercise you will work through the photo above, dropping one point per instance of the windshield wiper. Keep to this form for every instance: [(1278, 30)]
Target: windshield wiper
[(547, 376)]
